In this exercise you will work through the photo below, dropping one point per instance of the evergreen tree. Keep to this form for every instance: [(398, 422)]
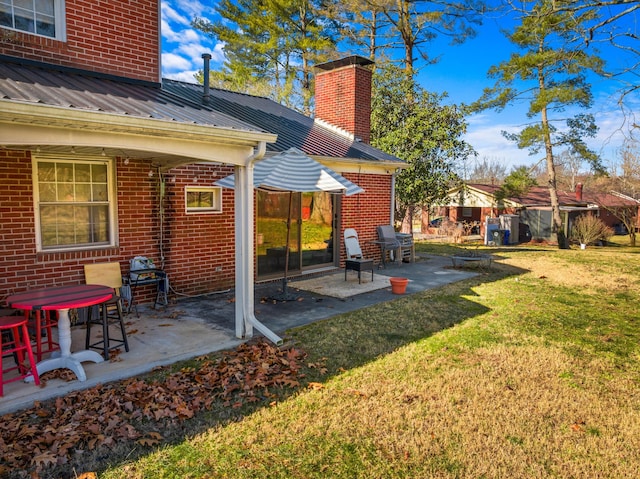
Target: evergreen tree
[(386, 26), (549, 72), (517, 183), (274, 43), (414, 125)]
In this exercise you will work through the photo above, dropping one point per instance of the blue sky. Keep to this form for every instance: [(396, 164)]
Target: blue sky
[(461, 72)]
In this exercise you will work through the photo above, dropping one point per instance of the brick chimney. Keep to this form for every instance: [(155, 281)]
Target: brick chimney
[(579, 192), (343, 95)]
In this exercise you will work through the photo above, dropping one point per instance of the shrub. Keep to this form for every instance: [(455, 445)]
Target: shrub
[(588, 229)]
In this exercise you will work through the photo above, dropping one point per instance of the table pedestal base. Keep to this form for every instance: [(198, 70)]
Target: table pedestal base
[(65, 358), (73, 362)]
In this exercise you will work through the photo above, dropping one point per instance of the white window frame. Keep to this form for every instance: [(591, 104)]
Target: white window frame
[(112, 203), (216, 207), (60, 22)]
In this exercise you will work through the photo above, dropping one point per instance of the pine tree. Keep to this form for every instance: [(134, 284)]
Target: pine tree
[(273, 44), (549, 72)]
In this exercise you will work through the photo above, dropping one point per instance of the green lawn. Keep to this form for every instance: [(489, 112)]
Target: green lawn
[(531, 370)]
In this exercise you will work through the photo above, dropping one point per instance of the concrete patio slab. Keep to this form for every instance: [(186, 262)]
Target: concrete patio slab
[(193, 326)]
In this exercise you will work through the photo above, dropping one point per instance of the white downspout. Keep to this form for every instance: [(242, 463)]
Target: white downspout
[(244, 232), (392, 213)]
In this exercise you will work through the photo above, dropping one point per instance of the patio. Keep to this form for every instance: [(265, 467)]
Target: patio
[(194, 326)]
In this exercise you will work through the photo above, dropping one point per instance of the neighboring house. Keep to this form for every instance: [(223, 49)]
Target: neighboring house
[(102, 160), (476, 202)]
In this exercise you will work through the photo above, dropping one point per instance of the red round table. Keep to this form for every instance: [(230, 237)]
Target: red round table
[(61, 299)]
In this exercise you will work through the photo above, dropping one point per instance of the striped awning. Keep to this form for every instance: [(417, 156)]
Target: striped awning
[(293, 170)]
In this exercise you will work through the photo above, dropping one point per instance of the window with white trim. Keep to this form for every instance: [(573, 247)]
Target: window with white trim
[(40, 17), (74, 203), (200, 199)]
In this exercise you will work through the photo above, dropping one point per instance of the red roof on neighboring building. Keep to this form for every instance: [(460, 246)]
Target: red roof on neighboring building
[(539, 196)]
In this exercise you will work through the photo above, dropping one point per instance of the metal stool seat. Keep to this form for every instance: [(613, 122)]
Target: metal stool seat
[(14, 342)]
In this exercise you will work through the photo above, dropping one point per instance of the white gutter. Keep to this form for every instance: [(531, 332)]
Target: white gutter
[(244, 219)]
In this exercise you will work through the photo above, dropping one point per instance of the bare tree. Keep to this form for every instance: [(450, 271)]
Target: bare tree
[(488, 171)]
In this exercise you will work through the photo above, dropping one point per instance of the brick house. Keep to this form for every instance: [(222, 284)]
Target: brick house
[(476, 202), (102, 160)]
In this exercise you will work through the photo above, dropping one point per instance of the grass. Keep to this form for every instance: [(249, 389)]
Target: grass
[(529, 370)]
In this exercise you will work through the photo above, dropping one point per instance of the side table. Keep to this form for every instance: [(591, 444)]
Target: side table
[(358, 265)]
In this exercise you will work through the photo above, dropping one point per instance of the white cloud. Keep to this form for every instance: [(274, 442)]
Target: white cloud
[(193, 8), (173, 62), (193, 51), (183, 45), (171, 15), (484, 133), (184, 75)]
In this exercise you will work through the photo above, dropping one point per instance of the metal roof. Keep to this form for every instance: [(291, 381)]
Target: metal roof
[(80, 90), (293, 128), (51, 85)]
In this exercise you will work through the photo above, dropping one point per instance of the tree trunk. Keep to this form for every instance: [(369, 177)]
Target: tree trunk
[(424, 220), (407, 221), (556, 228)]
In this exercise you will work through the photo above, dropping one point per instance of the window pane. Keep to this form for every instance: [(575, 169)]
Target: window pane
[(45, 6), (46, 171), (6, 19), (83, 192), (45, 26), (100, 192), (200, 199), (83, 173), (99, 173), (64, 172), (47, 192), (65, 192), (100, 223), (24, 20)]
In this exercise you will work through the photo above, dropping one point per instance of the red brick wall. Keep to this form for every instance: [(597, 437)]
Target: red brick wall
[(365, 211), (343, 98), (119, 37), (199, 250), (22, 268)]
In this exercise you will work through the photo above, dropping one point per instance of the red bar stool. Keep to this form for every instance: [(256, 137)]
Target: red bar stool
[(41, 323), (14, 341)]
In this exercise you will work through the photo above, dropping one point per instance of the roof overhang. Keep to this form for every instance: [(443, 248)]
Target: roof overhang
[(167, 143), (354, 165)]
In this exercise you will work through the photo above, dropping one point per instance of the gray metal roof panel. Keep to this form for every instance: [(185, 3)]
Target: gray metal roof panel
[(83, 91), (180, 102), (293, 128)]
